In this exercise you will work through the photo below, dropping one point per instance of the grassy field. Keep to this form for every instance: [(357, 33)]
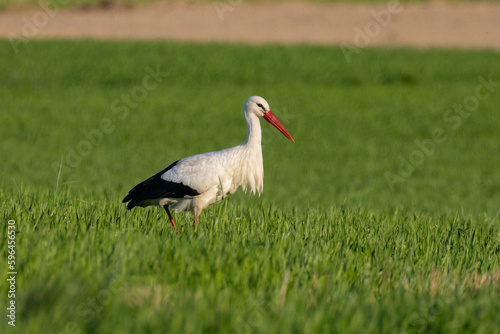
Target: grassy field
[(383, 217)]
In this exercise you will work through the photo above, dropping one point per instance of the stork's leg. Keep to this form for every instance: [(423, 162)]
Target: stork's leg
[(196, 214), (170, 217)]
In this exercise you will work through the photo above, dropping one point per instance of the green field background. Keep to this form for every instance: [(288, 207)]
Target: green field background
[(330, 246), (353, 122)]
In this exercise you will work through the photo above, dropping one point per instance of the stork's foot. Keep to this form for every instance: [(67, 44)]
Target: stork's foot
[(170, 217)]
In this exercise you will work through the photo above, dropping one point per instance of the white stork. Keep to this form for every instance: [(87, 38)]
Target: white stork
[(195, 182)]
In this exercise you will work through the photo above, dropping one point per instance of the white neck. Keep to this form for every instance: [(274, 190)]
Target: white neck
[(250, 171), (254, 136)]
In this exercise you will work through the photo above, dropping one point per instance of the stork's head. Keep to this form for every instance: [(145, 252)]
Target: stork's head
[(258, 106)]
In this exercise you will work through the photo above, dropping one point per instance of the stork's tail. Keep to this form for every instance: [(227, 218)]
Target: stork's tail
[(135, 195)]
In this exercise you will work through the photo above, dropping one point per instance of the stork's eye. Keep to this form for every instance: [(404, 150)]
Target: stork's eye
[(261, 106)]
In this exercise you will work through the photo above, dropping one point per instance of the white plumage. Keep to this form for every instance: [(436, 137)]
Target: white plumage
[(194, 183)]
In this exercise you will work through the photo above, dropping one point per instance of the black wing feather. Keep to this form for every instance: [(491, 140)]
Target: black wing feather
[(156, 187)]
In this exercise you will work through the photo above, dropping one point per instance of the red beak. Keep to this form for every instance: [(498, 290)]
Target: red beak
[(269, 116)]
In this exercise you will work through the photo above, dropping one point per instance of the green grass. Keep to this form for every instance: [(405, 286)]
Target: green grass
[(329, 247)]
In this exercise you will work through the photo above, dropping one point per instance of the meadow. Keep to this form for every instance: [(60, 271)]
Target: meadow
[(383, 217)]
